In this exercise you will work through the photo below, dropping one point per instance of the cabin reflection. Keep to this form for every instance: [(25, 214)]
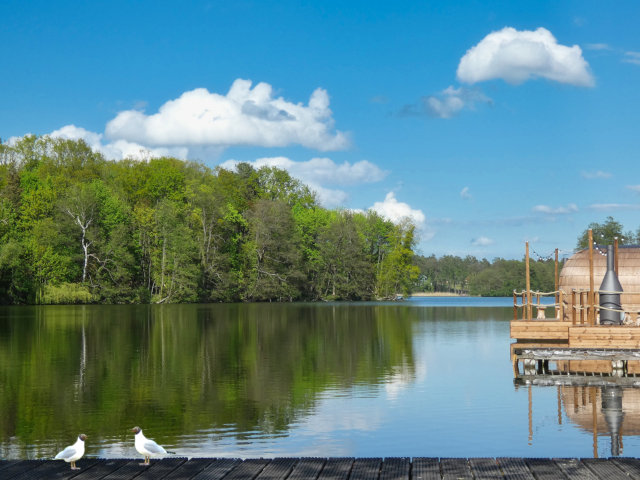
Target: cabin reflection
[(604, 405)]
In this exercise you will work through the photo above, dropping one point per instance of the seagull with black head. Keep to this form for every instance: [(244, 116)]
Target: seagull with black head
[(74, 452), (146, 446)]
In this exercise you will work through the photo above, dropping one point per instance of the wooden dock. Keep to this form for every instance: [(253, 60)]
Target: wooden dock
[(326, 469)]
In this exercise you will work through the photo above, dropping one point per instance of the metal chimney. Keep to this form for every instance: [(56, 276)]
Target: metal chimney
[(610, 283)]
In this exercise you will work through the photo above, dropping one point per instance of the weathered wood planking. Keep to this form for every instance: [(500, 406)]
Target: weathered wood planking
[(332, 468), (540, 330), (604, 337)]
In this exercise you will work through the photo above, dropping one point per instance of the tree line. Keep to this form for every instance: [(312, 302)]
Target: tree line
[(470, 276), (78, 228)]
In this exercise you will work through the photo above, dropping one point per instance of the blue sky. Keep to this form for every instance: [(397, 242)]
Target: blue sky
[(490, 123)]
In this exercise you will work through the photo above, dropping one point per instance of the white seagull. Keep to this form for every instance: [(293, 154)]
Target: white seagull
[(146, 447), (74, 452)]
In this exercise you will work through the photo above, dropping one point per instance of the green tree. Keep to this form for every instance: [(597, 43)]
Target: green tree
[(605, 233)]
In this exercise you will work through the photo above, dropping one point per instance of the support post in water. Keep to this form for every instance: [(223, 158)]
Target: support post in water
[(526, 257), (591, 313)]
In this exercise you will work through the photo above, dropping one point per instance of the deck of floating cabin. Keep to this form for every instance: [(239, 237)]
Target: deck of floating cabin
[(326, 469)]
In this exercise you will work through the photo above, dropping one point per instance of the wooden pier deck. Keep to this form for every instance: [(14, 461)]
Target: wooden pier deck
[(326, 469)]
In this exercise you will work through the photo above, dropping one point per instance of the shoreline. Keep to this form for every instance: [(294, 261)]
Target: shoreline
[(439, 294)]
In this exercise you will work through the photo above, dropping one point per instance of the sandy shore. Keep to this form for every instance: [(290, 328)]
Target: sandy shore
[(437, 294)]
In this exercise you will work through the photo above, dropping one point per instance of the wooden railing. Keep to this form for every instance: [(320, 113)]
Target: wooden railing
[(579, 306)]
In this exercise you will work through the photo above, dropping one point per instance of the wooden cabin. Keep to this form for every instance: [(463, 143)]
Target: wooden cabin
[(566, 321)]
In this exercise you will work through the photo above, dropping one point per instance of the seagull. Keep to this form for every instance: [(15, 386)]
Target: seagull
[(74, 452), (146, 447)]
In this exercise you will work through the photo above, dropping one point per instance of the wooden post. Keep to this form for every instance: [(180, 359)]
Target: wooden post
[(560, 309), (594, 415), (515, 306), (528, 280), (573, 306), (557, 282), (582, 302), (615, 253), (591, 316)]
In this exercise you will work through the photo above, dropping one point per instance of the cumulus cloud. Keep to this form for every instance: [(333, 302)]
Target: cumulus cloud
[(464, 194), (244, 116), (117, 149), (546, 209), (396, 211), (594, 175), (482, 242), (517, 56), (634, 188), (319, 173)]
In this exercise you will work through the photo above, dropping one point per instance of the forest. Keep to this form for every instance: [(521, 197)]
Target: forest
[(78, 228)]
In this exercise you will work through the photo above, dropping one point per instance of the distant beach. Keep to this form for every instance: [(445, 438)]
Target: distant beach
[(438, 294)]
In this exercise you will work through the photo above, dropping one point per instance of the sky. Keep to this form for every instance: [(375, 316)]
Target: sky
[(488, 123)]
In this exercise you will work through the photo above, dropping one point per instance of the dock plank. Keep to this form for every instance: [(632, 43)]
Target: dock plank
[(485, 468), (189, 469), (278, 469), (455, 468), (366, 469), (395, 469), (307, 469), (574, 469), (101, 469), (631, 466), (337, 469), (544, 469), (514, 469), (603, 468), (217, 469), (421, 468), (425, 469)]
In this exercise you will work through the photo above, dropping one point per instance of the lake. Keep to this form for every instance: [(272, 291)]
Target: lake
[(422, 377)]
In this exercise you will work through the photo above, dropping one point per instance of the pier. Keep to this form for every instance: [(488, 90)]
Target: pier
[(327, 469)]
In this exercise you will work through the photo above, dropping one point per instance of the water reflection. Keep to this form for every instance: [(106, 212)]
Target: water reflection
[(596, 405), (185, 372)]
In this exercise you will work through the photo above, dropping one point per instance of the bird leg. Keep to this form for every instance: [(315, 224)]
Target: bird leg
[(146, 460), (73, 466)]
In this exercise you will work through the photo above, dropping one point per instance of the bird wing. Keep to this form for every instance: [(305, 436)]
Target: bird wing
[(153, 448), (68, 452)]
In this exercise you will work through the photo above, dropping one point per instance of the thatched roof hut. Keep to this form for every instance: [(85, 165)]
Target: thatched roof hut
[(575, 274)]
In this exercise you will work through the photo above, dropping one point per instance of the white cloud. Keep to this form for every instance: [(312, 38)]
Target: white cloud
[(634, 188), (317, 173), (464, 194), (244, 116), (118, 149), (517, 56), (597, 174), (632, 57), (396, 211), (613, 206), (597, 46), (570, 208), (482, 242), (451, 101)]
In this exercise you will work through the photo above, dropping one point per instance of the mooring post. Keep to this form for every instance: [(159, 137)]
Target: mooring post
[(515, 306), (555, 276), (528, 280), (591, 314)]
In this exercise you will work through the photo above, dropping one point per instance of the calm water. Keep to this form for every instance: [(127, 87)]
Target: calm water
[(424, 377)]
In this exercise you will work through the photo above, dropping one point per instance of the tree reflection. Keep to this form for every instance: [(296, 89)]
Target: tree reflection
[(185, 368)]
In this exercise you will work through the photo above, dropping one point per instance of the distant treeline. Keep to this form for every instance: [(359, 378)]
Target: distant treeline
[(471, 276), (78, 228)]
